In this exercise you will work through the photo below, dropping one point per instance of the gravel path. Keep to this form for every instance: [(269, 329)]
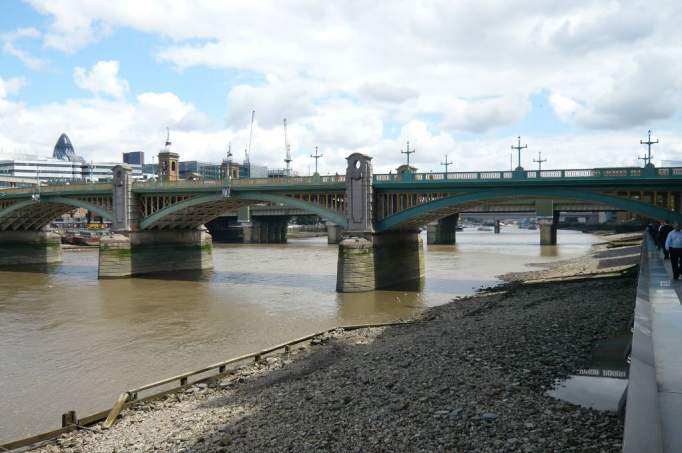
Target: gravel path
[(471, 376)]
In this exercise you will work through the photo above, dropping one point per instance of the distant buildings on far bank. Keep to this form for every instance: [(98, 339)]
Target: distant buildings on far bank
[(64, 166)]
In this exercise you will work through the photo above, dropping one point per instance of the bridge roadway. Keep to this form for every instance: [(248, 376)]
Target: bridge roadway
[(159, 225)]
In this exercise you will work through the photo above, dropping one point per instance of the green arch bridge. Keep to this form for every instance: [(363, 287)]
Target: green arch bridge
[(158, 225)]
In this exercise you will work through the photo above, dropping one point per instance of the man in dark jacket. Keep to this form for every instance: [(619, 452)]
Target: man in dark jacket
[(663, 232)]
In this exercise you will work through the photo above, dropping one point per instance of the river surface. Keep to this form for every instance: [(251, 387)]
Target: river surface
[(71, 342)]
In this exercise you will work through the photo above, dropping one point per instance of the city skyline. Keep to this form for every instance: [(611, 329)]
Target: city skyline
[(579, 82)]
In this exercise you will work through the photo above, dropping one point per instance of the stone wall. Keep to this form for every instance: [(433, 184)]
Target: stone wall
[(29, 247)]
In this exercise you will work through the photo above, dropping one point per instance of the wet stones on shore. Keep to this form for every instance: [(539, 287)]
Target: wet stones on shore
[(472, 377)]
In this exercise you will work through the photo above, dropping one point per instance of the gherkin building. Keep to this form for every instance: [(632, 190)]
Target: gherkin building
[(63, 150)]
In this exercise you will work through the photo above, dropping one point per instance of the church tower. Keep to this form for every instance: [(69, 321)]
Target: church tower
[(169, 167)]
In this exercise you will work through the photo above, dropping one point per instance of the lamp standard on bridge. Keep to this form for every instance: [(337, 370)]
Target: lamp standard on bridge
[(407, 152), (540, 160), (316, 156), (446, 164), (518, 148), (647, 158)]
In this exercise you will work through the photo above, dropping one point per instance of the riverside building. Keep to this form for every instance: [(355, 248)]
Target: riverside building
[(64, 166)]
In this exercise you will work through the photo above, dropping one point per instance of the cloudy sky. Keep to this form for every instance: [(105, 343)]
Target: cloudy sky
[(581, 81)]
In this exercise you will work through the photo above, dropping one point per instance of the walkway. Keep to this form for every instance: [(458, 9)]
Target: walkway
[(653, 420)]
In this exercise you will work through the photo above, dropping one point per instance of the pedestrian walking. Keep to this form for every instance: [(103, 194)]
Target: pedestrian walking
[(663, 232), (673, 245)]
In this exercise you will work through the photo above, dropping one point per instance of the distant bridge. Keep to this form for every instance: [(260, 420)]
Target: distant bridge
[(366, 206)]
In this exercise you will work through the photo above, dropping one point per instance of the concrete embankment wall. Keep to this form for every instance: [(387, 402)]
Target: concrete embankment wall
[(145, 252), (654, 399), (29, 247)]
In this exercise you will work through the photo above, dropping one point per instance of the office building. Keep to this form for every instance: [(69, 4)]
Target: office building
[(64, 166), (205, 170), (134, 158)]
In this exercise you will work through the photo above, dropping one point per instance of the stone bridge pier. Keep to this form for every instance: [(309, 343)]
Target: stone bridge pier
[(131, 251), (266, 230), (548, 221), (370, 260), (29, 247), (443, 231)]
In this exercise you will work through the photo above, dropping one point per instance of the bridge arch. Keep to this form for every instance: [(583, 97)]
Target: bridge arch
[(215, 204), (420, 215), (32, 214)]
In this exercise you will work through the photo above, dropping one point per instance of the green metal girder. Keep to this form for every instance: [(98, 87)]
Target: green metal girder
[(256, 197), (638, 207), (59, 200)]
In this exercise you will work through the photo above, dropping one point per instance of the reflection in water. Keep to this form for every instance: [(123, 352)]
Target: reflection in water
[(70, 341), (549, 250), (602, 385)]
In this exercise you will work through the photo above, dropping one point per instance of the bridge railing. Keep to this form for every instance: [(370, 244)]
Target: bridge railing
[(47, 189), (243, 182), (578, 173)]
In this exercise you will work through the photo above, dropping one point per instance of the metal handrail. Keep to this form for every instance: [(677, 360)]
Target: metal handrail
[(572, 173)]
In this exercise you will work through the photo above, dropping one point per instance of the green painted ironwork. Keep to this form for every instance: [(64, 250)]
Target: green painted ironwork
[(256, 197), (576, 175), (76, 203), (394, 221)]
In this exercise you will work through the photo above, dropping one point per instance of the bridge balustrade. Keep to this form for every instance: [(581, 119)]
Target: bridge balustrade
[(627, 172)]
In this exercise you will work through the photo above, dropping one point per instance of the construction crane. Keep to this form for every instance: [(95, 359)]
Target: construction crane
[(287, 150)]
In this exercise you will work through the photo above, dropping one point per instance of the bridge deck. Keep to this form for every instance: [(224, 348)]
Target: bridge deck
[(654, 403)]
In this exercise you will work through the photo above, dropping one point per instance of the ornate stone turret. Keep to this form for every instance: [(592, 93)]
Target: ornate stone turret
[(169, 167)]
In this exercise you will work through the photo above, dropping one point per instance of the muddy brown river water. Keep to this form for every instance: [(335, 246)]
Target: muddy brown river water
[(70, 341)]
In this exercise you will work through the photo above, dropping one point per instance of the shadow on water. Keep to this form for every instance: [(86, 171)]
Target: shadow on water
[(184, 276), (602, 384), (30, 268)]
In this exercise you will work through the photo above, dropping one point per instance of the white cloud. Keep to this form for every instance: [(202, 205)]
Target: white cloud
[(9, 87), (384, 92), (482, 115), (426, 62), (345, 74), (563, 106), (642, 90), (272, 102), (101, 79), (9, 46)]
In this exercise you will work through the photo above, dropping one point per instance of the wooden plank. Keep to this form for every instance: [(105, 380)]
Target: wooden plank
[(116, 410)]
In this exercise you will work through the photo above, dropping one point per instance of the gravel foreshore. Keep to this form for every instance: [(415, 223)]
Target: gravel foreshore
[(470, 375)]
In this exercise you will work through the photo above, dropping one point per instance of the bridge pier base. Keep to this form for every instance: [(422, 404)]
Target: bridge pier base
[(443, 231), (29, 247), (380, 260), (266, 230), (133, 253), (548, 232), (333, 233)]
